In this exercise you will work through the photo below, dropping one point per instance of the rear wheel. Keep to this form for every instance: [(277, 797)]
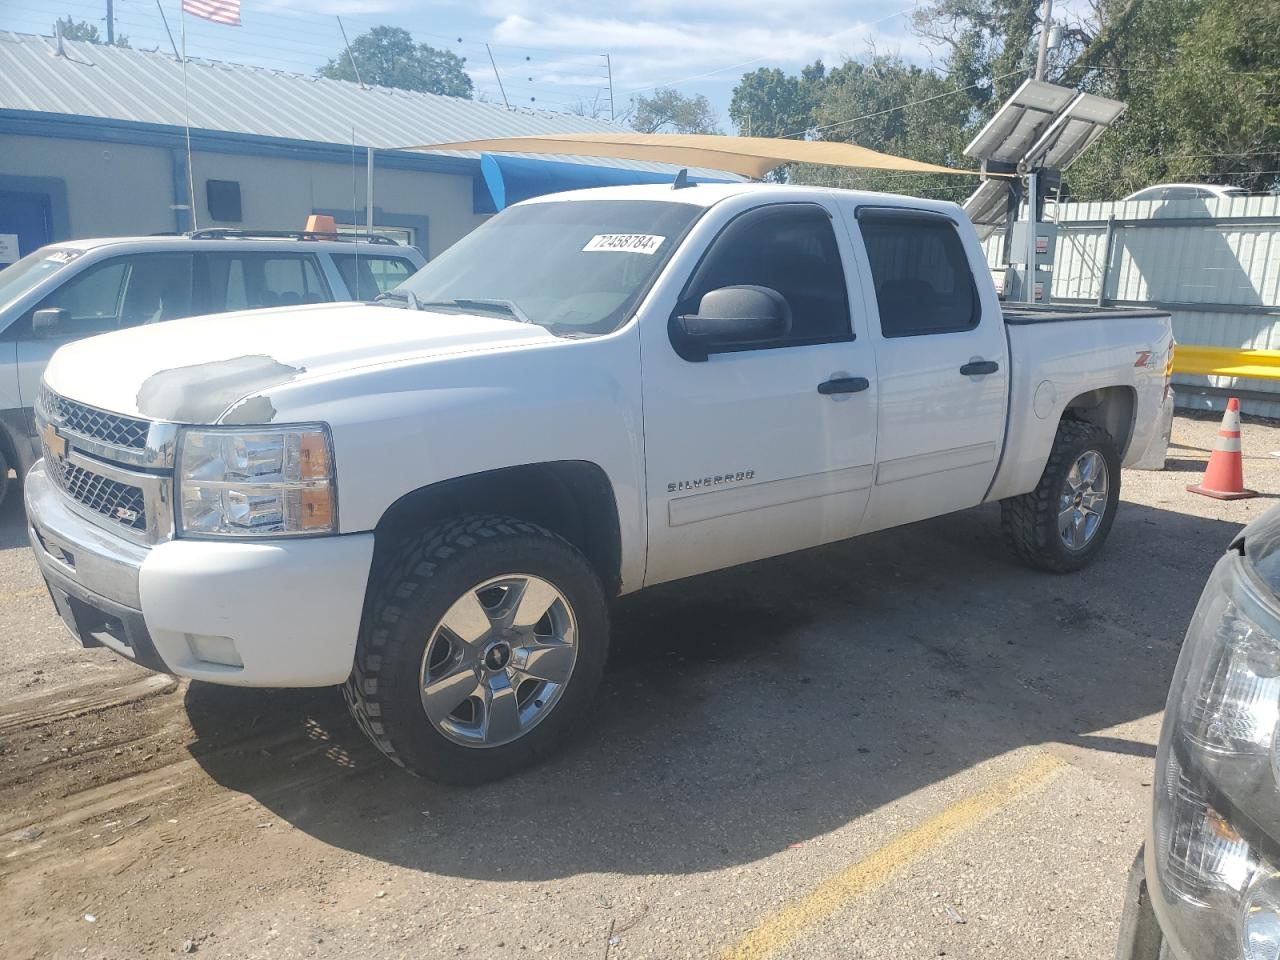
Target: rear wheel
[(480, 651), (1062, 524)]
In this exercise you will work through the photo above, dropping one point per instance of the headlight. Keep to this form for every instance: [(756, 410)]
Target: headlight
[(256, 483), (1217, 792)]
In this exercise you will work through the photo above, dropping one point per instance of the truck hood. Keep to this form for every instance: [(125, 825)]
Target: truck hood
[(198, 369)]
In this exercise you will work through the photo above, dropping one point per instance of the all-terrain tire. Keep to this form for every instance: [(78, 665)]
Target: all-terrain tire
[(1030, 521), (428, 573)]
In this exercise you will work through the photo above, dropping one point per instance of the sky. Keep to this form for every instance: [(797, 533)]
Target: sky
[(550, 55)]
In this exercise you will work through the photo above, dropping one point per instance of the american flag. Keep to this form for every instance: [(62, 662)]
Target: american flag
[(219, 11)]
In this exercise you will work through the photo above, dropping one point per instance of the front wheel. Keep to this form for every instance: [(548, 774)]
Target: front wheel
[(481, 649), (1062, 524)]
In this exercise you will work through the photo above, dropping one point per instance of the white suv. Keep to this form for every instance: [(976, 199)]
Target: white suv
[(78, 288)]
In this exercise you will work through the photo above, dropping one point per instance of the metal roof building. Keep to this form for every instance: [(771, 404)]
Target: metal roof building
[(93, 141)]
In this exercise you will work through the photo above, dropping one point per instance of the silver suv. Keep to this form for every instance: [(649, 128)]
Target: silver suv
[(78, 288)]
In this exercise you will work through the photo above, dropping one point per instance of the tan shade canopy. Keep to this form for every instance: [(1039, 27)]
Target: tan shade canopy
[(748, 156)]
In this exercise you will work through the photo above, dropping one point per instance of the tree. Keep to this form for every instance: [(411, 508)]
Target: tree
[(770, 103), (388, 57), (669, 111), (1199, 79), (72, 29), (863, 102)]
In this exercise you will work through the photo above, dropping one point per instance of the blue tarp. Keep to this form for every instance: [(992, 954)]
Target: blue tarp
[(512, 179)]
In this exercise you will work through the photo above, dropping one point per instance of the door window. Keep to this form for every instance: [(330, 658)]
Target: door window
[(124, 292), (247, 281), (790, 248), (368, 276), (923, 282)]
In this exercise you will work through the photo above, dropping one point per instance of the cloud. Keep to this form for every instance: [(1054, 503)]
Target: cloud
[(649, 51)]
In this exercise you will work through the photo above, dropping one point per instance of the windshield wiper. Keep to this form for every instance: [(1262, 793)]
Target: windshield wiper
[(408, 297), (509, 307)]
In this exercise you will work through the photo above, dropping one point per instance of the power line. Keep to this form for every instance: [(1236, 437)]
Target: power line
[(903, 106)]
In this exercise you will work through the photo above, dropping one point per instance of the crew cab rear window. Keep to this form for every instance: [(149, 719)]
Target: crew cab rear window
[(922, 278), (248, 281)]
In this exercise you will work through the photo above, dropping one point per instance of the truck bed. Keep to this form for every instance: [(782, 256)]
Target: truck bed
[(1020, 314)]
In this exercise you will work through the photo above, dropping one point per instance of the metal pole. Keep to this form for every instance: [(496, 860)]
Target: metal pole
[(494, 64), (1107, 247), (609, 66), (111, 22), (1033, 217), (368, 196), (1044, 38)]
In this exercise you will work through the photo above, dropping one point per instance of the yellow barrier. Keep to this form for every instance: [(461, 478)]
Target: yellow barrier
[(1227, 362)]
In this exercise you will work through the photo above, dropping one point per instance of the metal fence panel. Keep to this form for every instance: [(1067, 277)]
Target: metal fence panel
[(1214, 263)]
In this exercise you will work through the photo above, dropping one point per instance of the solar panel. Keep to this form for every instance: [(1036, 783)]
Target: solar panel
[(1072, 131), (988, 206), (1020, 122)]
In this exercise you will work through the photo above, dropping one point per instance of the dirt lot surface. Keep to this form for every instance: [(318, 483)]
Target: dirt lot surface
[(900, 746)]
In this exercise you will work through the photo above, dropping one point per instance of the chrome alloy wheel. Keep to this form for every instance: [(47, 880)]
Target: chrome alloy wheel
[(499, 660), (1083, 500)]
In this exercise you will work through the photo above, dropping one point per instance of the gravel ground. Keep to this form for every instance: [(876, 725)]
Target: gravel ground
[(903, 745)]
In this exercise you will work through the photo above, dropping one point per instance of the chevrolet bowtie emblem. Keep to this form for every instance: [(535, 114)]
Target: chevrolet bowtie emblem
[(55, 444)]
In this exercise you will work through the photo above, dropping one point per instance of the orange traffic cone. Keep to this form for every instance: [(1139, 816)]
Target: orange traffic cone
[(1224, 479)]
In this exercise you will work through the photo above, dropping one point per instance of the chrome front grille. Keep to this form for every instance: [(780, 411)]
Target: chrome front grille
[(121, 502), (110, 428)]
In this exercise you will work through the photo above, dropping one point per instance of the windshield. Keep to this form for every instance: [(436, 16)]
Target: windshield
[(576, 267), (17, 278)]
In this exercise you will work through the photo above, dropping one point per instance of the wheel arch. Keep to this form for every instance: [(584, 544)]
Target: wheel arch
[(1111, 408), (572, 498)]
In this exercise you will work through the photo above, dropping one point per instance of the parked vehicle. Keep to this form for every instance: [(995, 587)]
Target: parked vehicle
[(434, 498), (79, 288), (1207, 884), (1187, 191)]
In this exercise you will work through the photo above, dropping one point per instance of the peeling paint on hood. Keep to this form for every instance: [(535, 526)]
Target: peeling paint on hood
[(227, 365), (201, 392)]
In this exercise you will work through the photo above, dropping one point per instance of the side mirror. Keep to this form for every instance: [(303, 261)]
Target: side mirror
[(48, 320), (731, 316)]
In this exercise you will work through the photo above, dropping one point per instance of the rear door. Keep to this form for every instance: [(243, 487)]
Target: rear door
[(747, 453), (942, 363), (249, 280)]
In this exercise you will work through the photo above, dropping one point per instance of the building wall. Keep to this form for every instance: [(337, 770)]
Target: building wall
[(115, 189), (112, 189), (279, 193)]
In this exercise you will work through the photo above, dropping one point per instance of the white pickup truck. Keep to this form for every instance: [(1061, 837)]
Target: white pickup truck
[(433, 498)]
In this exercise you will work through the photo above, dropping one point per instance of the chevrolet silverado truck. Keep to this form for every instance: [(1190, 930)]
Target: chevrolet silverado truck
[(432, 498)]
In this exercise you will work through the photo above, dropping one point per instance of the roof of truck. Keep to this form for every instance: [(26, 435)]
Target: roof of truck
[(708, 194)]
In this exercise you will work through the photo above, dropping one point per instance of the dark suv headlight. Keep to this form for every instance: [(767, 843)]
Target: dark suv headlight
[(1212, 869)]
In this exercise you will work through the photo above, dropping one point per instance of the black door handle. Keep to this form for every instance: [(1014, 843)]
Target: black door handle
[(844, 385), (979, 368)]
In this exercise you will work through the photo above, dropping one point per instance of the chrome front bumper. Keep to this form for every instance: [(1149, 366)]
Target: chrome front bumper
[(92, 576)]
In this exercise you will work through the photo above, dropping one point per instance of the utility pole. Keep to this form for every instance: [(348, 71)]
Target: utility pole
[(111, 22), (1044, 38)]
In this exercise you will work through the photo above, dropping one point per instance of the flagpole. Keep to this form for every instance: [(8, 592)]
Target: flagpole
[(186, 118)]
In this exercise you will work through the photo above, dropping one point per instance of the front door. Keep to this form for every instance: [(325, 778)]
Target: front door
[(747, 453), (109, 295), (943, 366)]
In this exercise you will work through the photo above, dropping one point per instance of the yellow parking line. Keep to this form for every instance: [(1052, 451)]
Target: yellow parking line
[(23, 594), (874, 870)]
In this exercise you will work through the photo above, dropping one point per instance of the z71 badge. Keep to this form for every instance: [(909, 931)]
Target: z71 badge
[(712, 481)]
